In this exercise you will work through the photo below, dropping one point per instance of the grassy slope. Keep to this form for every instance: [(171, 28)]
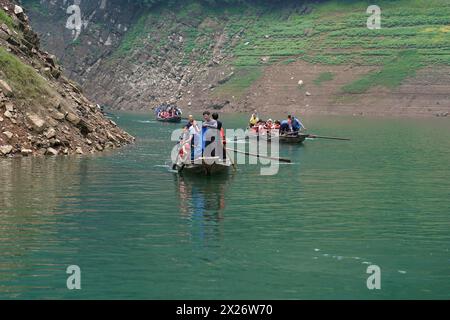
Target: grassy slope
[(25, 81), (414, 34)]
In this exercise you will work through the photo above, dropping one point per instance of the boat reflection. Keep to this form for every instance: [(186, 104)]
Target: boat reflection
[(202, 204)]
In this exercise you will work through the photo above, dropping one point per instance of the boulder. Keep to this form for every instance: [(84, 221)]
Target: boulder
[(18, 10), (36, 122), (51, 133), (7, 91), (8, 115), (8, 134), (9, 107), (26, 152), (73, 118), (79, 150), (57, 115), (51, 152), (6, 149), (4, 35)]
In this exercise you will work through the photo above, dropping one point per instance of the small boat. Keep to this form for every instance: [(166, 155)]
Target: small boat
[(293, 138), (204, 166), (174, 119), (288, 138)]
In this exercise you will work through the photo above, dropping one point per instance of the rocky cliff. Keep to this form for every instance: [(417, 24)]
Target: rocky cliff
[(292, 56), (42, 112)]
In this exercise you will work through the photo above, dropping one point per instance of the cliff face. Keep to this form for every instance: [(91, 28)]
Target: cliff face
[(300, 57), (41, 111)]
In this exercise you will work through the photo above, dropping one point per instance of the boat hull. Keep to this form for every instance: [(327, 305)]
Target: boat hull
[(205, 168), (285, 138), (170, 120)]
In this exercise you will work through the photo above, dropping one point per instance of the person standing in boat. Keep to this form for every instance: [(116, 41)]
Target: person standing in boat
[(209, 132), (195, 139), (221, 144)]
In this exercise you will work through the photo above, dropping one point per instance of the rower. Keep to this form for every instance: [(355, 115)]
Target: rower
[(295, 125)]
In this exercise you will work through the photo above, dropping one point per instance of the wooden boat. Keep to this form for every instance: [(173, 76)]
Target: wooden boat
[(293, 138), (175, 119), (282, 138), (204, 167)]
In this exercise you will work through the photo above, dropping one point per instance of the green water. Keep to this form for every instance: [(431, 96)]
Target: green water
[(139, 231)]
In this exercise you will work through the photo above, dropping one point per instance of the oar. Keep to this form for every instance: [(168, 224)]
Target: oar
[(260, 156), (312, 136), (229, 157)]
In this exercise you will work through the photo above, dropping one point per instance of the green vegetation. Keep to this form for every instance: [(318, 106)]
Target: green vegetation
[(240, 82), (25, 81), (134, 37), (391, 75), (6, 19), (323, 77)]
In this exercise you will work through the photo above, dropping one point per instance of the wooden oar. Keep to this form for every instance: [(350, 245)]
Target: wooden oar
[(313, 136), (260, 156)]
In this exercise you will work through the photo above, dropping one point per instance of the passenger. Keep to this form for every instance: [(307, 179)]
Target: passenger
[(195, 139), (253, 120), (190, 120), (277, 125), (221, 130), (208, 124), (284, 127), (269, 125)]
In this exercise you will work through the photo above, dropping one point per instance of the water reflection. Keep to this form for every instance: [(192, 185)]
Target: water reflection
[(202, 204)]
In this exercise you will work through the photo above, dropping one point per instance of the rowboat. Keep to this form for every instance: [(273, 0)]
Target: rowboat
[(206, 166), (288, 138), (175, 119), (293, 138)]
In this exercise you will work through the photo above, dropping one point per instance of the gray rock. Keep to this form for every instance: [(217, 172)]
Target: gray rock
[(6, 88), (8, 115), (73, 118), (8, 134), (9, 107), (6, 149), (51, 152), (51, 133), (57, 115), (36, 122), (79, 150), (26, 152)]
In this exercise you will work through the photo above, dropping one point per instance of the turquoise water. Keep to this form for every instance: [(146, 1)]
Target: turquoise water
[(138, 230)]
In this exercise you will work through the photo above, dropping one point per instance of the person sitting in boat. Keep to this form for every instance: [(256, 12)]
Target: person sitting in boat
[(277, 125), (284, 127), (269, 125), (253, 120)]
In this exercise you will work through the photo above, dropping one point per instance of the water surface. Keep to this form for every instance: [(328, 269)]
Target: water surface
[(138, 230)]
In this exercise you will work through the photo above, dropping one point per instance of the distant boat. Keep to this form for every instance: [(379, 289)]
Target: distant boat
[(168, 113), (174, 119)]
